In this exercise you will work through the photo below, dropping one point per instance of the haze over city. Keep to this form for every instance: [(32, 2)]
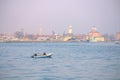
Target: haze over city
[(57, 15)]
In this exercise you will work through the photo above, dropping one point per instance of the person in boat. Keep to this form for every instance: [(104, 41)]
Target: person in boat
[(44, 53), (35, 54)]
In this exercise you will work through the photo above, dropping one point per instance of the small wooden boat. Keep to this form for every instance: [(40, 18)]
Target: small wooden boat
[(44, 55)]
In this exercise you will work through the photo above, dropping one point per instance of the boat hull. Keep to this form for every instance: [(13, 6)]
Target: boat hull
[(42, 56)]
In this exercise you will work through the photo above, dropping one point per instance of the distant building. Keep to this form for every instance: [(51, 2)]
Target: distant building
[(95, 36), (43, 38), (19, 34), (81, 37), (69, 34), (7, 37), (117, 36)]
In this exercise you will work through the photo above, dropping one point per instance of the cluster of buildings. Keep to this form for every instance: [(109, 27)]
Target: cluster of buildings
[(92, 36)]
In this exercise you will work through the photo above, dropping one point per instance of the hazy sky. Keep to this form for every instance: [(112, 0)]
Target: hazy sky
[(57, 15)]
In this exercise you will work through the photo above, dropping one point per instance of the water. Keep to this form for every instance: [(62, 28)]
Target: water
[(70, 61)]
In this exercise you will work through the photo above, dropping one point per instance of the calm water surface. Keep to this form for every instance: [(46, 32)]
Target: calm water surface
[(70, 61)]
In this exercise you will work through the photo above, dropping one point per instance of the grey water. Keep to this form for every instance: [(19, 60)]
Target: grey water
[(70, 61)]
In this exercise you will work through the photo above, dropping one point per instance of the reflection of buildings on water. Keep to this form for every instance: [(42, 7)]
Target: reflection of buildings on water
[(95, 36)]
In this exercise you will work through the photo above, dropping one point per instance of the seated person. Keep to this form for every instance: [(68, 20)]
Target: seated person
[(44, 53), (35, 54)]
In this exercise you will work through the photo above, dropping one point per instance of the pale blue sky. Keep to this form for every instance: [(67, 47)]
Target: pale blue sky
[(57, 15)]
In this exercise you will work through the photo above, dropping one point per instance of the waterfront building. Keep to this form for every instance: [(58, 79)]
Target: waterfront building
[(117, 36), (7, 37), (43, 38), (69, 34), (19, 34), (95, 36), (81, 37)]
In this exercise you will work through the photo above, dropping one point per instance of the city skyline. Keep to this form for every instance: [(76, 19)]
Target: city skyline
[(52, 32), (52, 15)]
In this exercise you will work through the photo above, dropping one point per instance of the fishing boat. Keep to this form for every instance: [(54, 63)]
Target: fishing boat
[(44, 55)]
